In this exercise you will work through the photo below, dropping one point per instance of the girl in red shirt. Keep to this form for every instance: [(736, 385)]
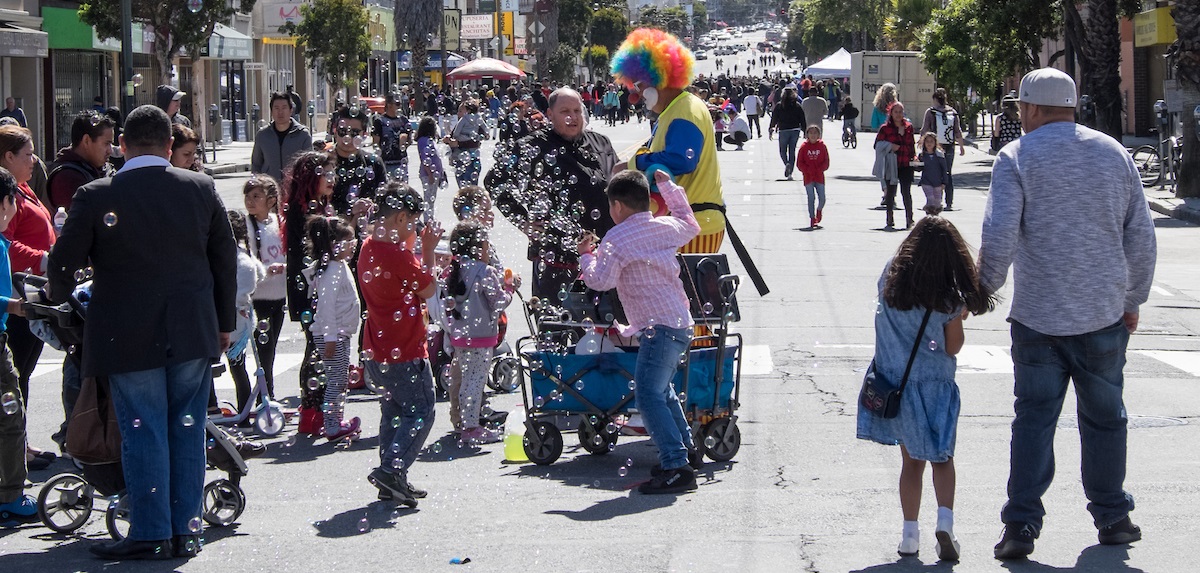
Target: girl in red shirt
[(813, 160)]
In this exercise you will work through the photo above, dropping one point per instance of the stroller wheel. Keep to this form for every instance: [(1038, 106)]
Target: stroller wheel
[(441, 378), (504, 374), (116, 517), (543, 444), (269, 420), (596, 438), (223, 502), (65, 503), (722, 439)]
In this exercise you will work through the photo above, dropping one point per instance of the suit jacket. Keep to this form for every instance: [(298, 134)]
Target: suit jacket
[(164, 261)]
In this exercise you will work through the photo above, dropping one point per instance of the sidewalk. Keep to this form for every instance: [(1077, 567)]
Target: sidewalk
[(231, 158)]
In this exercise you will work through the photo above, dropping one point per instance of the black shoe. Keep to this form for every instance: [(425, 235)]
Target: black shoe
[(250, 449), (37, 464), (129, 549), (695, 459), (1017, 541), (393, 484), (676, 480), (186, 545), (1120, 533), (416, 493)]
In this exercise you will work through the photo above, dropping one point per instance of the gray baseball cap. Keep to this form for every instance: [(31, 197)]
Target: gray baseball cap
[(1049, 87)]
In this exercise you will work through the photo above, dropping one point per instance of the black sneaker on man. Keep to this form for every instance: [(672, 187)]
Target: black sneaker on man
[(412, 489), (1120, 533), (394, 484), (677, 480), (1016, 542), (695, 459)]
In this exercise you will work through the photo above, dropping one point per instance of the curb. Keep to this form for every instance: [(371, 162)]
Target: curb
[(224, 169), (1181, 212)]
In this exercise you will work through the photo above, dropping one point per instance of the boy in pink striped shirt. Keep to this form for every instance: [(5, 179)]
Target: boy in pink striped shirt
[(637, 257)]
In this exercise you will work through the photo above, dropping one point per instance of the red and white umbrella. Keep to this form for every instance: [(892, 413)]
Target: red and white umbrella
[(486, 68)]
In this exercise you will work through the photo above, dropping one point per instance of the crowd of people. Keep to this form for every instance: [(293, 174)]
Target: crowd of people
[(334, 236)]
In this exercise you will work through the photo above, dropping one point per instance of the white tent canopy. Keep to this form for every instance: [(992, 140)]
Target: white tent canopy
[(836, 65)]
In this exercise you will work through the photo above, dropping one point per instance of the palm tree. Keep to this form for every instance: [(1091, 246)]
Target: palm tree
[(1102, 44), (418, 20), (1184, 57)]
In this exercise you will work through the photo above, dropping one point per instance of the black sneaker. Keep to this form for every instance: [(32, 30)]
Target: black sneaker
[(412, 489), (676, 480), (1120, 533), (695, 459), (1016, 542), (393, 484)]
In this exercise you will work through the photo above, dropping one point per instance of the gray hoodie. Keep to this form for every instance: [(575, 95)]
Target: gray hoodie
[(480, 307), (271, 156)]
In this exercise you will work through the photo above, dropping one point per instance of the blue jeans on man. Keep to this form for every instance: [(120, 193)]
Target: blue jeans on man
[(1043, 366), (788, 139), (657, 362), (161, 413), (407, 411)]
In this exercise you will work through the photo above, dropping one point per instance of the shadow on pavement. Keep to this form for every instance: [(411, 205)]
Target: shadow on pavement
[(448, 448), (628, 504), (1166, 223), (363, 520), (1106, 558), (972, 180), (306, 449), (908, 565)]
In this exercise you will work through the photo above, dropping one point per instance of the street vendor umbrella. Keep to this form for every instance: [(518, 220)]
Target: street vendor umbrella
[(486, 68)]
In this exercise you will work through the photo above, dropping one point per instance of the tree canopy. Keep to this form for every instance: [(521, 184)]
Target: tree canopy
[(334, 34)]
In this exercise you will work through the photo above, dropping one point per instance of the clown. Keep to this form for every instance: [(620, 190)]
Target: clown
[(657, 66)]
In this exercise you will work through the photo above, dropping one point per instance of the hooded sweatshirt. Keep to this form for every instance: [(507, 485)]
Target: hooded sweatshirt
[(812, 160), (338, 310), (478, 323)]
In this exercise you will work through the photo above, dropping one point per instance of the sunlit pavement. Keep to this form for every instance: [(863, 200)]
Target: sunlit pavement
[(802, 494)]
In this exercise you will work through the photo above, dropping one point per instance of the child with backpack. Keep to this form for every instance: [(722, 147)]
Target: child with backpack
[(925, 293), (813, 160), (475, 293), (331, 244)]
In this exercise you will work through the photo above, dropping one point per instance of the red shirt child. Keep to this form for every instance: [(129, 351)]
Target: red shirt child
[(813, 159)]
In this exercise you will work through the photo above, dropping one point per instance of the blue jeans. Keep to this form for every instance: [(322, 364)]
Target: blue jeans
[(407, 412), (657, 361), (788, 138), (467, 167), (1043, 366), (162, 453), (815, 191)]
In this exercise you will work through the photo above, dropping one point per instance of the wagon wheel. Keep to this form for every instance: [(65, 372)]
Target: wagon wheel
[(543, 444), (116, 517), (722, 439), (65, 503), (596, 438)]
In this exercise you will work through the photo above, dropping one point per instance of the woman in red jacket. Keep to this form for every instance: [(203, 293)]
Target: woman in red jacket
[(813, 160), (900, 133), (31, 232)]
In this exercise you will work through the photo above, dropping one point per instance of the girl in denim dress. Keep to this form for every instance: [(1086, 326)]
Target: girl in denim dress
[(932, 269)]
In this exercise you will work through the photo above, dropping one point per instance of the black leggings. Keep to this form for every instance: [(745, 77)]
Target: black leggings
[(26, 349), (272, 312), (905, 174)]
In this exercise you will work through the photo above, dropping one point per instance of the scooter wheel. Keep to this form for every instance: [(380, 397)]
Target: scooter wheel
[(269, 420)]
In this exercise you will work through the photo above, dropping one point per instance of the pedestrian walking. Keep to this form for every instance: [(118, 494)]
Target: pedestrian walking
[(788, 119), (1104, 246), (813, 160), (944, 122), (359, 174), (1007, 127), (464, 141), (432, 173), (11, 110), (278, 142), (184, 144), (752, 106), (815, 107), (885, 96), (925, 292), (897, 136), (260, 195), (931, 162)]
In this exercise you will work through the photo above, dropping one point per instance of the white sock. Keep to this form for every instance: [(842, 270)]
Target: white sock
[(945, 521), (911, 529)]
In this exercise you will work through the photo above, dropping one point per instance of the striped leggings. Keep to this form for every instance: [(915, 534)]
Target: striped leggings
[(337, 370)]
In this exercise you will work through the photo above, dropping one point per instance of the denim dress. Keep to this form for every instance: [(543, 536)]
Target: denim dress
[(928, 419)]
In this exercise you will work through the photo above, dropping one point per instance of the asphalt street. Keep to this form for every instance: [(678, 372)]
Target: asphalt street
[(802, 494)]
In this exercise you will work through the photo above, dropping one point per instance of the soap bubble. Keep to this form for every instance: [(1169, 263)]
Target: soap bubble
[(194, 525), (933, 345), (710, 442), (110, 219), (188, 421), (622, 471), (364, 525), (10, 403), (690, 153)]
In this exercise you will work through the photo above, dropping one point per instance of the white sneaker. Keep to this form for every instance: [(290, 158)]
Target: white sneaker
[(909, 545), (947, 545)]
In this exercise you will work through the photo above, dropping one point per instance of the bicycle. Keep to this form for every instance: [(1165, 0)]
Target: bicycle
[(1149, 161), (849, 136)]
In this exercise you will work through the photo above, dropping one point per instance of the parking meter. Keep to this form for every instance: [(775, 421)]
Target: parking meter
[(312, 112), (255, 111)]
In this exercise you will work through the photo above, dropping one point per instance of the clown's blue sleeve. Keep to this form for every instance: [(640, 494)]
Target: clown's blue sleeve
[(682, 136)]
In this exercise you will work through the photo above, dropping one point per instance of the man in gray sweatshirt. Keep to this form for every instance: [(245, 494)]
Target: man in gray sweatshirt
[(1066, 210)]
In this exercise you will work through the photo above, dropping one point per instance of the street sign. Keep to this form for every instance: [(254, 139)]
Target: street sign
[(509, 5), (536, 28), (486, 6), (452, 20), (519, 47)]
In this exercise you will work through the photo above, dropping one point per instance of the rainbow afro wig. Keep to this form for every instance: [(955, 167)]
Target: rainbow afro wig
[(653, 58)]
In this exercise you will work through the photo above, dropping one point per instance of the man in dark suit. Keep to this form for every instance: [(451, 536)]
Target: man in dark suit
[(162, 307)]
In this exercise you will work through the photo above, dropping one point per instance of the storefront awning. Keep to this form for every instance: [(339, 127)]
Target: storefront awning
[(18, 42), (228, 44)]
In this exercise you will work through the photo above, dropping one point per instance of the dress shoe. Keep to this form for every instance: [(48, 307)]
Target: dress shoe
[(128, 549), (250, 449), (186, 545)]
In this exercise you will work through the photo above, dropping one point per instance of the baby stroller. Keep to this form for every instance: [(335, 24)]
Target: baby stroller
[(67, 500)]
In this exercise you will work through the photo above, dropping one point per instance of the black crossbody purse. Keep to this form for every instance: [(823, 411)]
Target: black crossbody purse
[(881, 396)]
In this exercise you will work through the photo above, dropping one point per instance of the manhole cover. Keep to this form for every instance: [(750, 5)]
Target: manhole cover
[(1135, 422)]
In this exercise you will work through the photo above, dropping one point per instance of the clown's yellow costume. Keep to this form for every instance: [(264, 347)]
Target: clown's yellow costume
[(683, 140)]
